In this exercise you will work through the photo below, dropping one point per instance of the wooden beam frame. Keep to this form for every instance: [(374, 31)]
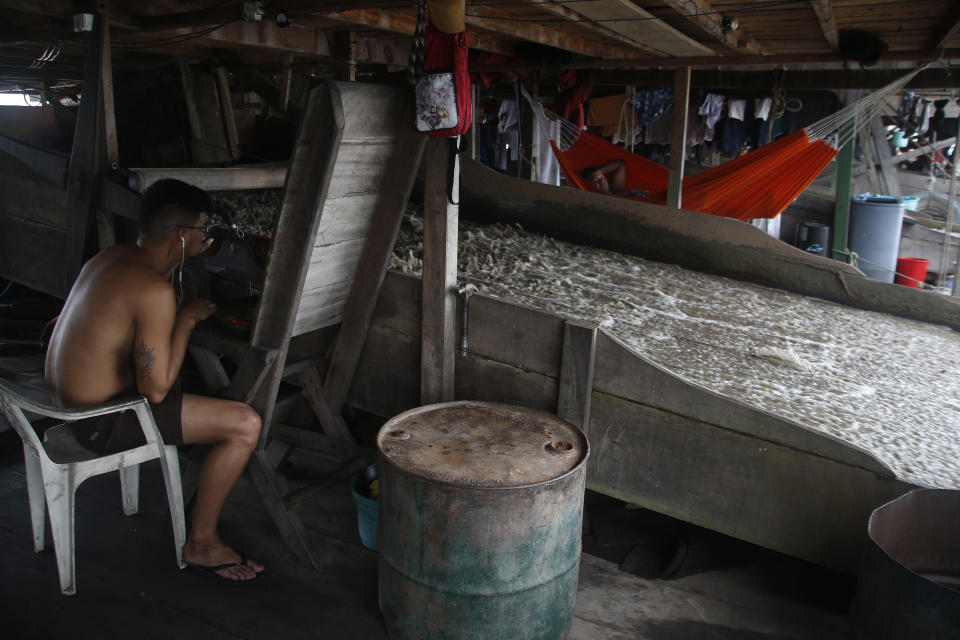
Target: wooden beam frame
[(51, 165), (576, 372), (717, 61), (678, 138), (226, 107), (86, 158), (531, 31), (702, 14), (824, 11), (948, 27), (378, 247), (760, 82), (558, 9), (438, 321)]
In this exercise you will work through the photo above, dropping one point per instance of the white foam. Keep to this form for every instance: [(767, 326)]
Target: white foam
[(886, 384)]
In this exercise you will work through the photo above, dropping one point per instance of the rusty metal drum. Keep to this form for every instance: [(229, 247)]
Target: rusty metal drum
[(481, 508)]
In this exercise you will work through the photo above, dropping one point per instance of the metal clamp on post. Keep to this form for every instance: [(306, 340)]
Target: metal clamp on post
[(466, 291)]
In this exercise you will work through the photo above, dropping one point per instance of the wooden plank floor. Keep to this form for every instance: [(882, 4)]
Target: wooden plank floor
[(128, 582), (129, 585)]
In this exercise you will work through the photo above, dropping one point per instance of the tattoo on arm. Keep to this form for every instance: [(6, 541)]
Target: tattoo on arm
[(143, 360)]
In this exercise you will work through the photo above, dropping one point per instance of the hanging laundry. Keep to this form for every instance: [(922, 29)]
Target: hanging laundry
[(651, 104), (605, 113), (548, 169), (925, 113), (730, 129), (507, 138), (694, 134), (761, 108), (574, 88), (736, 109), (711, 108), (659, 131)]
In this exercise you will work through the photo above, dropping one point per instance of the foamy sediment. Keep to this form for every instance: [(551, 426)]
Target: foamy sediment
[(887, 384)]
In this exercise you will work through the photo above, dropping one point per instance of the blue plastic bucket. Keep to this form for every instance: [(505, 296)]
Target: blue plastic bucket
[(368, 511)]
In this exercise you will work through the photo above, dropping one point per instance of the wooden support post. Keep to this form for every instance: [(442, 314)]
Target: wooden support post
[(193, 114), (440, 222), (948, 221), (106, 85), (106, 232), (576, 372), (252, 371), (229, 117), (678, 141), (272, 96), (83, 172), (208, 134), (521, 127), (267, 482), (474, 128), (889, 181), (345, 50), (841, 215), (870, 158), (332, 423), (377, 250), (286, 80)]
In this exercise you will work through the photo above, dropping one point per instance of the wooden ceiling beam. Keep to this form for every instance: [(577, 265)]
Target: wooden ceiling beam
[(634, 21), (824, 11), (540, 34), (702, 14), (761, 83), (50, 8), (948, 27), (558, 9), (264, 36), (496, 41), (406, 24), (376, 19), (726, 61), (197, 19)]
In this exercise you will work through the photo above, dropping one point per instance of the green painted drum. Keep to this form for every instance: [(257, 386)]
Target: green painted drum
[(481, 508)]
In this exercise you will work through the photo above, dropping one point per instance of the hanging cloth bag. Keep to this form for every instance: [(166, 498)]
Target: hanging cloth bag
[(441, 81)]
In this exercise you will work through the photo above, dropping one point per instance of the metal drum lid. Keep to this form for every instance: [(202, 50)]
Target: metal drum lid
[(482, 444)]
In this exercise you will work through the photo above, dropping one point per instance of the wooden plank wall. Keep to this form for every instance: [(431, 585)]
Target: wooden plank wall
[(365, 150), (657, 440), (33, 222)]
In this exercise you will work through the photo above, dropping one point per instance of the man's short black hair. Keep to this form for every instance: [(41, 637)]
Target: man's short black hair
[(169, 203)]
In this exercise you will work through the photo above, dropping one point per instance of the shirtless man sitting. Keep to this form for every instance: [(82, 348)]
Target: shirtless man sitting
[(120, 334)]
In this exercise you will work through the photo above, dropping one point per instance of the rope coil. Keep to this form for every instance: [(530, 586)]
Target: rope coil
[(415, 64)]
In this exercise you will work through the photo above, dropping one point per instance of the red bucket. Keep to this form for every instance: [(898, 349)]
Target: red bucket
[(915, 270)]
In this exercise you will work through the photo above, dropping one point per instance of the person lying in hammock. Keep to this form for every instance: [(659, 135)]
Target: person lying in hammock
[(597, 177)]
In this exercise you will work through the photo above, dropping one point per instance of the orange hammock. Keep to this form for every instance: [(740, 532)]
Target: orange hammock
[(760, 184)]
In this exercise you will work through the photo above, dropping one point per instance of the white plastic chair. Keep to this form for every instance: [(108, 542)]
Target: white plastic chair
[(57, 466)]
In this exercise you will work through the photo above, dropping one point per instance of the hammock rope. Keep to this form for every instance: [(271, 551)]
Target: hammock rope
[(759, 184)]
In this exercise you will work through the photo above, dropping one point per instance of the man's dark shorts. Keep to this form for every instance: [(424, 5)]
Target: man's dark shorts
[(120, 431)]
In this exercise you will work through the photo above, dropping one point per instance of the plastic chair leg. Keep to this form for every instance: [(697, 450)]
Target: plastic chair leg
[(170, 465), (130, 489), (38, 500), (59, 491)]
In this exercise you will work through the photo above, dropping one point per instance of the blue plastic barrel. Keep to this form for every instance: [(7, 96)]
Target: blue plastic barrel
[(368, 509), (875, 225)]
